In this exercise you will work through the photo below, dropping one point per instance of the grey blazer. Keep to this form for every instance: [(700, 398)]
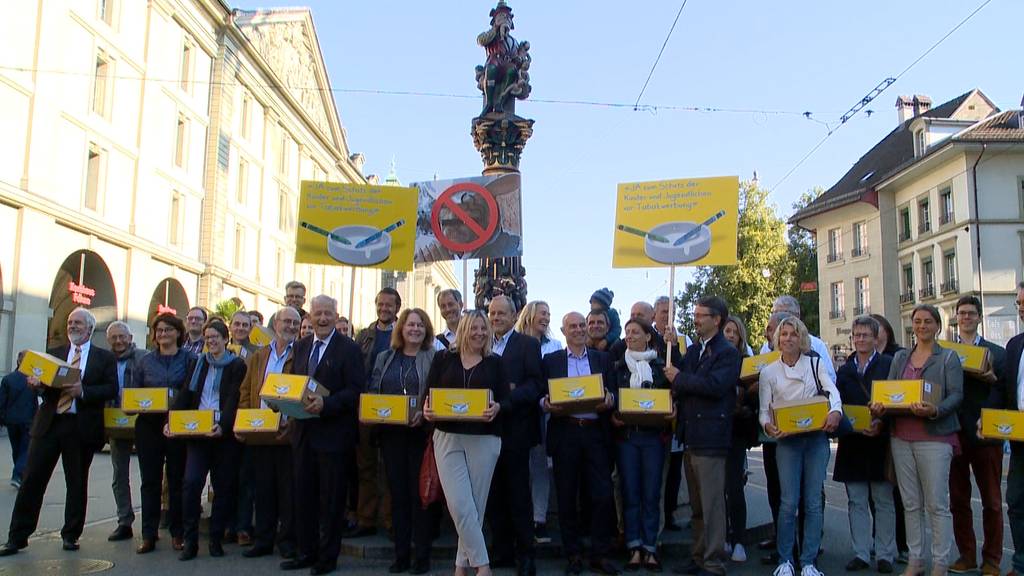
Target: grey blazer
[(941, 369), (380, 367)]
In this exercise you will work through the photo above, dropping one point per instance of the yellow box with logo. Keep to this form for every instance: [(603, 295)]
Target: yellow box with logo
[(258, 426), (859, 417), (50, 370), (898, 395), (288, 393), (117, 424), (145, 400), (752, 365), (1002, 424), (396, 409), (975, 359), (460, 403), (645, 406), (261, 336), (800, 416), (191, 422), (577, 394)]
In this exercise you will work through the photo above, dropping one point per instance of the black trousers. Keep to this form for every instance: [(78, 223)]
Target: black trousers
[(510, 506), (63, 442), (319, 483), (155, 451), (403, 455), (672, 482), (273, 490), (218, 457), (245, 492), (581, 458), (735, 499)]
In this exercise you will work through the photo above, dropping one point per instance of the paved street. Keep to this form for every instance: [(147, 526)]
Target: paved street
[(45, 545)]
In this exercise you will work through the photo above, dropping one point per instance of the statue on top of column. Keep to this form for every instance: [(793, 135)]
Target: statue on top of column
[(505, 76)]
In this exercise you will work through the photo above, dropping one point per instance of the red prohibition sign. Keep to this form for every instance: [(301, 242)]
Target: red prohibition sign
[(445, 200)]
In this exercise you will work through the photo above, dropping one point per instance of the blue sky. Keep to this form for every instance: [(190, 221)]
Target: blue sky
[(791, 57)]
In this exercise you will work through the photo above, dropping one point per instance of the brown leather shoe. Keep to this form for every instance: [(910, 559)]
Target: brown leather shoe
[(178, 543), (963, 565), (244, 539), (146, 547), (990, 569)]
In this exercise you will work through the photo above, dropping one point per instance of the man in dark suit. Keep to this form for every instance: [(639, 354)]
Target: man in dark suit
[(511, 514), (580, 446), (320, 444), (705, 389), (68, 426)]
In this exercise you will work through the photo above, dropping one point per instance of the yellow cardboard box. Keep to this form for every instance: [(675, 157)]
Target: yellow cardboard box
[(388, 408), (50, 370), (898, 395), (645, 406), (800, 416), (859, 417), (289, 392), (118, 424), (261, 336), (975, 359), (578, 394), (1002, 424), (258, 426), (752, 365), (145, 400), (460, 403), (192, 422)]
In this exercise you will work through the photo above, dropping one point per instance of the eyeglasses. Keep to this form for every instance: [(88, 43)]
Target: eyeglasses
[(165, 330)]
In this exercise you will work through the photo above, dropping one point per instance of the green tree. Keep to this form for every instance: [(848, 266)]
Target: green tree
[(803, 253), (763, 270), (225, 309)]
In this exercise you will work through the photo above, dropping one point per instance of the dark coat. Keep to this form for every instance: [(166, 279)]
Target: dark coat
[(618, 349), (705, 390), (976, 395), (620, 378), (861, 458), (17, 400), (230, 386), (1004, 392), (520, 414), (556, 365), (99, 385), (342, 371)]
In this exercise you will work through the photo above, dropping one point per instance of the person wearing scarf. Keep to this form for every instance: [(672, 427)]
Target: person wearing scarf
[(214, 385), (640, 449)]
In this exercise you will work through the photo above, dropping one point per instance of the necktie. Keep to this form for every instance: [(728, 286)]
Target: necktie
[(314, 358), (65, 401)]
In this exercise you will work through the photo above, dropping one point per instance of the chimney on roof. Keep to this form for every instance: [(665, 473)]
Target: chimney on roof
[(908, 107), (357, 160)]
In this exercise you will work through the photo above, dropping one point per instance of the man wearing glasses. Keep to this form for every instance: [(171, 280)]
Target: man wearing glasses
[(194, 322)]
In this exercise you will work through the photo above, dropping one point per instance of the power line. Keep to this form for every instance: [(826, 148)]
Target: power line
[(660, 52)]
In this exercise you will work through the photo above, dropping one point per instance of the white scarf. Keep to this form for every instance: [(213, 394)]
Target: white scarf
[(640, 367)]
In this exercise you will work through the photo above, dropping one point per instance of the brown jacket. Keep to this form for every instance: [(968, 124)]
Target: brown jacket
[(249, 394)]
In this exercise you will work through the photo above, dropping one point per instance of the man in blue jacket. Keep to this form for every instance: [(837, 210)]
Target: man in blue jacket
[(17, 408), (705, 389)]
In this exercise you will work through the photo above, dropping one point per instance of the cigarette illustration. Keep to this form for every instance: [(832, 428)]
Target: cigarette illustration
[(376, 235), (695, 231), (318, 230), (642, 234)]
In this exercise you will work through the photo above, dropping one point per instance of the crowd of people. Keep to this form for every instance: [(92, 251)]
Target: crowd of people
[(615, 481)]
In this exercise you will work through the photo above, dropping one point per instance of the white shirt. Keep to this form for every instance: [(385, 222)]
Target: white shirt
[(499, 343), (81, 367), (210, 400), (780, 382), (552, 345), (818, 346), (323, 347)]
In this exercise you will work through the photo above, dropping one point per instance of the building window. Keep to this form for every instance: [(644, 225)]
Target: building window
[(927, 278), (187, 54), (93, 176), (181, 141), (285, 219), (946, 204), (920, 143), (924, 217), (835, 245), (1020, 194), (243, 181), (101, 84), (904, 224), (246, 114), (177, 206), (239, 246), (907, 295), (836, 309), (949, 279), (106, 11), (862, 296), (860, 239)]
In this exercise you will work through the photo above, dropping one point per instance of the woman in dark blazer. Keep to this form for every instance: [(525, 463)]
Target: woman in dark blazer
[(214, 385)]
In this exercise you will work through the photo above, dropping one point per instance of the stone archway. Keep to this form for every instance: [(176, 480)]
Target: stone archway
[(82, 280)]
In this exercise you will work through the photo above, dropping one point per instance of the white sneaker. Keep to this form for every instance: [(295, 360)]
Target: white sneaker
[(810, 570), (784, 569), (738, 553)]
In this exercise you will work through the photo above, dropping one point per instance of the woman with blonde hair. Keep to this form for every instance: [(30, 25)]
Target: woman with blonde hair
[(535, 321)]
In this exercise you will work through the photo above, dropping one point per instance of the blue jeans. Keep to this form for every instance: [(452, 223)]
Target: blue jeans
[(1015, 503), (641, 460), (802, 457), (19, 437)]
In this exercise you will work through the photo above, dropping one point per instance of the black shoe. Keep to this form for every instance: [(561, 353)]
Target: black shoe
[(70, 545), (360, 531), (216, 549), (121, 533), (884, 567), (398, 566), (770, 559), (12, 547), (540, 533), (575, 565), (325, 568), (604, 566), (687, 567), (190, 552), (766, 544), (856, 564), (257, 551), (298, 563), (527, 566), (503, 562), (420, 567), (230, 537)]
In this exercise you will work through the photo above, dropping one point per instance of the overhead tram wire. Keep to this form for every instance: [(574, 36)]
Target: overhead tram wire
[(876, 92), (636, 105)]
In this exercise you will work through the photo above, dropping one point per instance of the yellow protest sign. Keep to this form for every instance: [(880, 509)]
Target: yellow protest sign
[(356, 225), (691, 222)]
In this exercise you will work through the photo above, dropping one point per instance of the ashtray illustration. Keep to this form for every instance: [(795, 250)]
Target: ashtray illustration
[(359, 252), (696, 242)]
